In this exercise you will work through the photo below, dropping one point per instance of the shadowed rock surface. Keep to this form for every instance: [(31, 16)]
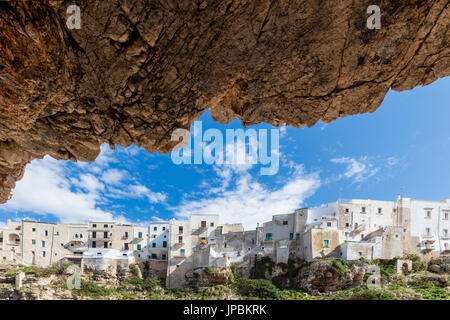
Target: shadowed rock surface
[(137, 70)]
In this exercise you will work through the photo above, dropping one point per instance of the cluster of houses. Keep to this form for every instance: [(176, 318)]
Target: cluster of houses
[(173, 250)]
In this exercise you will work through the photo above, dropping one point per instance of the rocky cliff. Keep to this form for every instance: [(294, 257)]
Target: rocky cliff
[(137, 70)]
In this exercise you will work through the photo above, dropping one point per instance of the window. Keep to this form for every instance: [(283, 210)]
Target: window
[(347, 224), (445, 232), (139, 247), (154, 245), (94, 244), (346, 210), (164, 228), (291, 236), (285, 223), (43, 254), (164, 244), (328, 224), (363, 210), (155, 228), (212, 224), (268, 236), (94, 226), (105, 245), (262, 248), (182, 252), (46, 233), (297, 236), (33, 229), (154, 236), (163, 256), (140, 235), (380, 210), (154, 256), (126, 246), (126, 234), (428, 214), (180, 229), (180, 239), (225, 245), (203, 224), (105, 226), (362, 236), (427, 231), (248, 249), (326, 243), (94, 234), (105, 234), (43, 244), (62, 244), (446, 215), (33, 241)]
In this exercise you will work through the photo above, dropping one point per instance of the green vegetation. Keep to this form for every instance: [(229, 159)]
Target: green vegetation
[(339, 267), (259, 288), (429, 291), (262, 265), (91, 289)]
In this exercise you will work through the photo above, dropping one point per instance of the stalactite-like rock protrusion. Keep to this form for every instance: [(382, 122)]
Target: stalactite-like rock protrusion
[(137, 70)]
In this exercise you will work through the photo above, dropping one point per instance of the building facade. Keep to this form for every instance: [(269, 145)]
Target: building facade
[(175, 249)]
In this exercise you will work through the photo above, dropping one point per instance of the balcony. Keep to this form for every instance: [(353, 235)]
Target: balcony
[(359, 229)]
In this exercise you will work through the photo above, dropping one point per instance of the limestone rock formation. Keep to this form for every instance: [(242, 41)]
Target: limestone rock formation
[(138, 69)]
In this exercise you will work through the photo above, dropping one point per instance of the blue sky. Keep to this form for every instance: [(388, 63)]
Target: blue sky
[(402, 147)]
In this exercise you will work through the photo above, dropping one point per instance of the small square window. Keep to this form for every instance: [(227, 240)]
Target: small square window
[(33, 229), (328, 224), (326, 243), (155, 228)]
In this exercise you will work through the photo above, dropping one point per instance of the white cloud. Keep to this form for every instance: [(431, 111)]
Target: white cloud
[(359, 170), (89, 183), (114, 176), (45, 189), (250, 202), (136, 191)]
